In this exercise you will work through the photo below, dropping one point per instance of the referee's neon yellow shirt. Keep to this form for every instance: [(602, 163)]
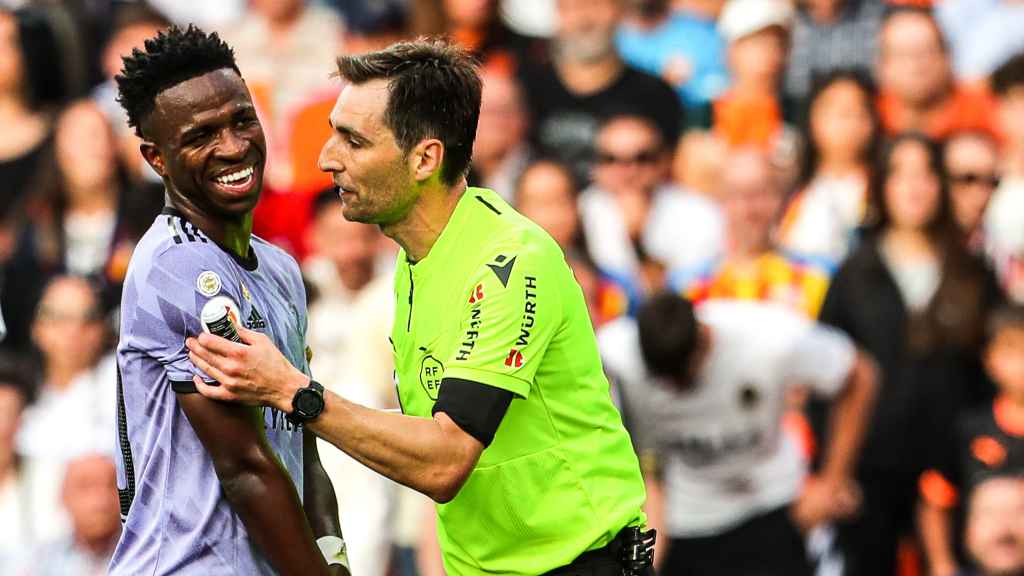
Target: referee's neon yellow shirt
[(495, 302)]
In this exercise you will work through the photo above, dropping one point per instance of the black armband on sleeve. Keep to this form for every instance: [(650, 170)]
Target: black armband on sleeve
[(184, 386), (475, 407), (188, 386)]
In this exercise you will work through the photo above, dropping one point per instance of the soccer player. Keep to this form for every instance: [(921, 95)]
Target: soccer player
[(208, 487), (707, 389), (508, 422)]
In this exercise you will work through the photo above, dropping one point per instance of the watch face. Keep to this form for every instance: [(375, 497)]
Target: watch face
[(309, 403)]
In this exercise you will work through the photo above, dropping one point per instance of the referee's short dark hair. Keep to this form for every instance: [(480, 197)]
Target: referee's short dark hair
[(433, 92), (669, 333), (170, 58)]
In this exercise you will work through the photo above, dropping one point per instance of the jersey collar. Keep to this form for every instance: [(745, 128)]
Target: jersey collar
[(250, 262), (446, 244)]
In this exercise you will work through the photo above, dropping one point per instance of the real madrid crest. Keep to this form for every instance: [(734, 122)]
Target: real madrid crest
[(208, 283)]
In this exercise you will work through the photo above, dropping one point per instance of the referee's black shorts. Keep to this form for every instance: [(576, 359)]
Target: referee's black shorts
[(766, 545)]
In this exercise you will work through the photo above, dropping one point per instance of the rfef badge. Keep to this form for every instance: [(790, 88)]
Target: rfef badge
[(431, 373)]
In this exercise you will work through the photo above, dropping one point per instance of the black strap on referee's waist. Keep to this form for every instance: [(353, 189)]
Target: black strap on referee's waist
[(631, 551)]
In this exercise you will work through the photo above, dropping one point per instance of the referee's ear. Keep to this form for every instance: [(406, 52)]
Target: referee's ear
[(427, 159)]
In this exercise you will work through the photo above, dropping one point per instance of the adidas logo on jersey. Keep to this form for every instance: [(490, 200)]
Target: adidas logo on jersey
[(255, 321)]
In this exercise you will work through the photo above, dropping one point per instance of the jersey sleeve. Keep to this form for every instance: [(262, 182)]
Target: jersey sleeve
[(171, 294), (822, 358), (510, 312)]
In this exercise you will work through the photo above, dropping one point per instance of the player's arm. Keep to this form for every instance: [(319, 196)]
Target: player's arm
[(258, 488), (321, 506), (434, 456)]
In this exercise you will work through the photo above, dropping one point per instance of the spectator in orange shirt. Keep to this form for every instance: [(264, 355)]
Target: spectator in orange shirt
[(752, 111), (918, 91)]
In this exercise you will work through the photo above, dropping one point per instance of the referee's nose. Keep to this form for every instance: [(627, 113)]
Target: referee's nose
[(329, 160)]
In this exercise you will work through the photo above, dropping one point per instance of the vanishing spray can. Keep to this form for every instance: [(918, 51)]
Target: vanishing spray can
[(219, 316)]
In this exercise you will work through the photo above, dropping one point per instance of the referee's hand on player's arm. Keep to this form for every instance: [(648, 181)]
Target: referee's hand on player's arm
[(253, 372)]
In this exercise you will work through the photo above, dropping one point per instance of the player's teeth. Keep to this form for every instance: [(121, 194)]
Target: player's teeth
[(241, 174)]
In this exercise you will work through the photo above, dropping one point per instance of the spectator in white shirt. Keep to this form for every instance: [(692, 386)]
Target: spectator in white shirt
[(75, 409)]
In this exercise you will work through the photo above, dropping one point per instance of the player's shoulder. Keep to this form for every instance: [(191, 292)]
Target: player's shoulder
[(173, 243), (275, 257)]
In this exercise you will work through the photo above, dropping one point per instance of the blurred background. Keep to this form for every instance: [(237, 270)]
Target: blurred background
[(747, 149)]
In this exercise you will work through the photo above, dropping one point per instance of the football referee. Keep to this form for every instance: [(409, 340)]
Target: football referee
[(508, 424)]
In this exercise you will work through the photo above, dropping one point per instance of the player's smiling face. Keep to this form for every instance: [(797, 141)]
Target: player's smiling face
[(208, 144), (368, 166)]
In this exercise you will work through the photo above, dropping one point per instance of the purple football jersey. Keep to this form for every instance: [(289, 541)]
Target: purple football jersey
[(176, 518)]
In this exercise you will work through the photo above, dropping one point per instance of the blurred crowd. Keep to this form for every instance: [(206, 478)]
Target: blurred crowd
[(860, 162)]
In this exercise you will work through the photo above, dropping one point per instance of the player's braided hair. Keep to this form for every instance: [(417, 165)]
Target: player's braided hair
[(173, 56)]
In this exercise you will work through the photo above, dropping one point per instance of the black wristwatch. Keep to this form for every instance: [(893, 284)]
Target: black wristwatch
[(307, 404)]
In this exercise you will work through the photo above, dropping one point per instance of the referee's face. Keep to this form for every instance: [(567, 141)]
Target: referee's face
[(371, 171)]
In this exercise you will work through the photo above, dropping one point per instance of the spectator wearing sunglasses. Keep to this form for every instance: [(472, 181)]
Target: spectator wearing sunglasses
[(637, 224), (972, 165)]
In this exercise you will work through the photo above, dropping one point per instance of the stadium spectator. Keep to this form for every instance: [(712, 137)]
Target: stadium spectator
[(982, 34), (636, 223), (683, 47), (32, 86), (500, 151), (972, 165), (285, 49), (352, 358), (476, 26), (707, 389), (918, 90), (995, 529), (29, 506), (132, 23), (749, 266), (1004, 221), (753, 111), (986, 442), (75, 407), (208, 15), (697, 162), (586, 83), (87, 220), (89, 494), (841, 134), (25, 97), (372, 26), (546, 193), (915, 299), (831, 35)]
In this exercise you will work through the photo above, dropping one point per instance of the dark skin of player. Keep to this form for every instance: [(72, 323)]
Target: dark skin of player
[(200, 129)]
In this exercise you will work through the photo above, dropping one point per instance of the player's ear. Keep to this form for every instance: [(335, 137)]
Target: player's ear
[(153, 157), (426, 159)]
